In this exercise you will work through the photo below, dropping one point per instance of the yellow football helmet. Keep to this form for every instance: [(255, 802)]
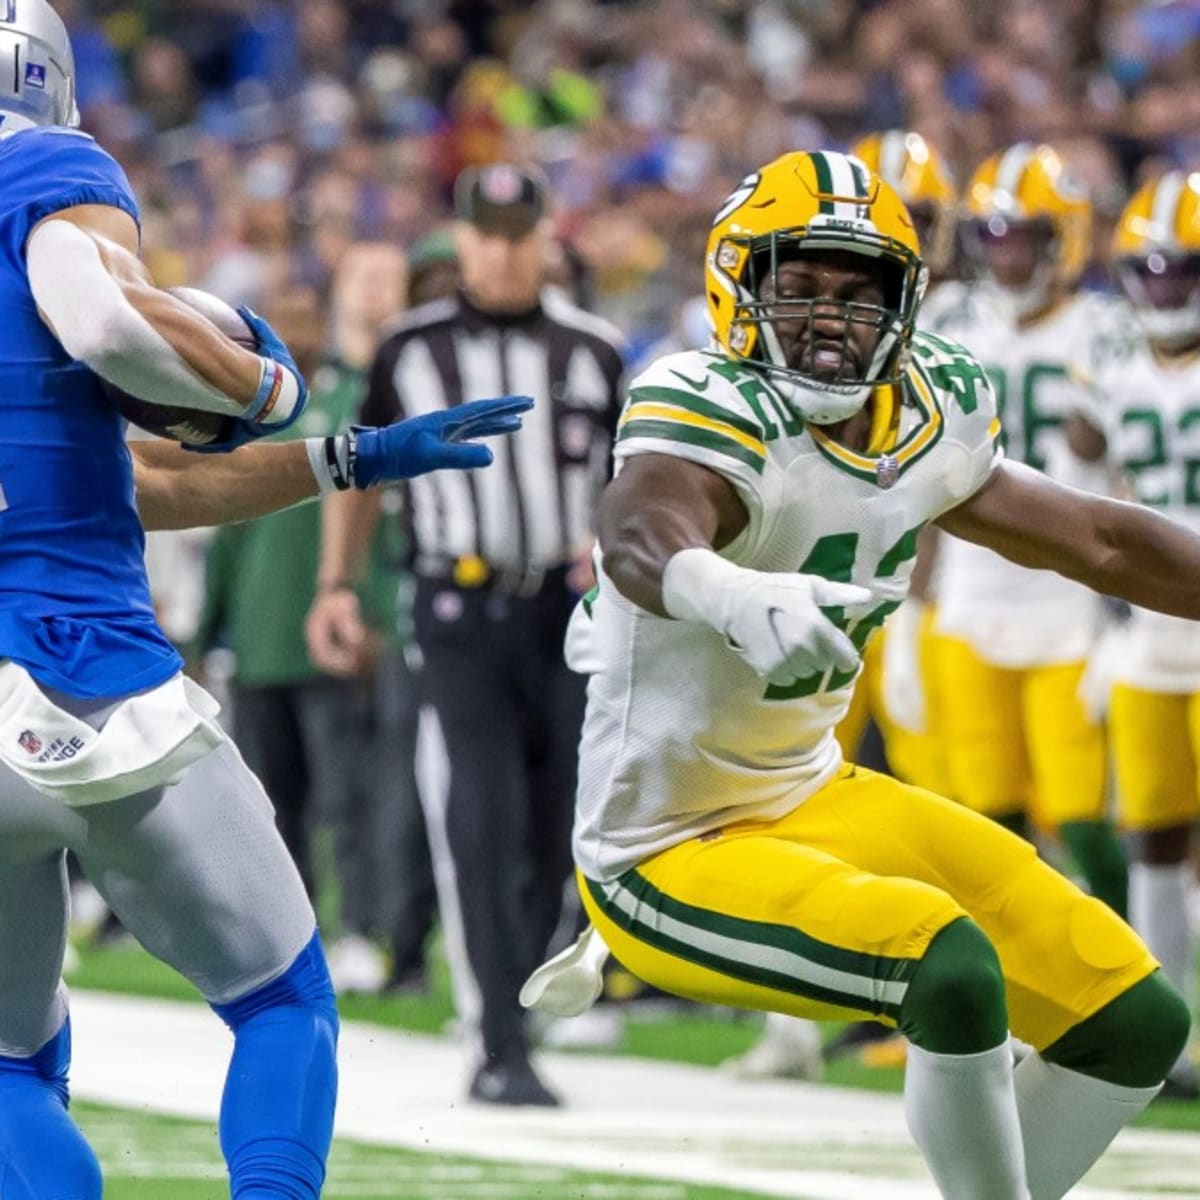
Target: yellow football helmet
[(922, 180), (1156, 257), (800, 204), (1024, 199)]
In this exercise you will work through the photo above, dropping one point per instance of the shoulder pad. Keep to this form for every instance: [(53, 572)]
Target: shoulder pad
[(703, 406), (700, 380), (959, 384)]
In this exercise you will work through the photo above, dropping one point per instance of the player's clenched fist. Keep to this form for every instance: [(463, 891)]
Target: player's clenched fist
[(773, 620)]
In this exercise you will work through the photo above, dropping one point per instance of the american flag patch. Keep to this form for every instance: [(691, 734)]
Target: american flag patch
[(35, 75)]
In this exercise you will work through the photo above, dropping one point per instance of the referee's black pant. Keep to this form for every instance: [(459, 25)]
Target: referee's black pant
[(510, 713)]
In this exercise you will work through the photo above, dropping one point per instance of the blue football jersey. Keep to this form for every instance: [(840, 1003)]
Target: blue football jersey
[(75, 604)]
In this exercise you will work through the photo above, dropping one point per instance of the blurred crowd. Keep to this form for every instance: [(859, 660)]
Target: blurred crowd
[(264, 137)]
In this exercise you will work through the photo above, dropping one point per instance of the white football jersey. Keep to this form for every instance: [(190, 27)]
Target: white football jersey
[(1013, 616), (681, 736), (1150, 413)]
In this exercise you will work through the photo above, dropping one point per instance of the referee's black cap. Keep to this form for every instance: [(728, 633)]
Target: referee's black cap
[(501, 198)]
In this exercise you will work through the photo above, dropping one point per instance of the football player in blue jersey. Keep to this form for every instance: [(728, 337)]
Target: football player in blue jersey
[(105, 748)]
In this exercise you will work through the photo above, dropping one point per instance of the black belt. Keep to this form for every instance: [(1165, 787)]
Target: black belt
[(474, 574)]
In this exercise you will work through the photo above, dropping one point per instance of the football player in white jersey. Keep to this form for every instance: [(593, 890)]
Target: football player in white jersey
[(1012, 642), (1143, 417), (761, 525)]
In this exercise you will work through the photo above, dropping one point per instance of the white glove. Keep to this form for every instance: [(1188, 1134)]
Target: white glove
[(571, 982), (773, 620), (902, 685)]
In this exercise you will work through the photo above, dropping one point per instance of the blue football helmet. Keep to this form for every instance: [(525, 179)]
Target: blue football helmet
[(37, 68)]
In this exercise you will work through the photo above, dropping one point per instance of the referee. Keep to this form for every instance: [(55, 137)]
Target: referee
[(500, 559)]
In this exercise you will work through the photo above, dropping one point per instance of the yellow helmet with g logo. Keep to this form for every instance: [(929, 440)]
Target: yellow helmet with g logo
[(1027, 225), (797, 206), (1156, 256), (922, 180)]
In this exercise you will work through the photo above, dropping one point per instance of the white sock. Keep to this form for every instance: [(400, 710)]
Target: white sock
[(1160, 911), (962, 1112), (1067, 1121)]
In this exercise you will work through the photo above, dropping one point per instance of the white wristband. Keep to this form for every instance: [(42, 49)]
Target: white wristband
[(694, 586), (277, 394), (329, 458)]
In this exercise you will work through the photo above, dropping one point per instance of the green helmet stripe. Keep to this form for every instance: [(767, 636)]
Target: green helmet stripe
[(824, 180), (860, 179)]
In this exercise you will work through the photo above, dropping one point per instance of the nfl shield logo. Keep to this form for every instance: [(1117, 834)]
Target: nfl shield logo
[(30, 742), (887, 471)]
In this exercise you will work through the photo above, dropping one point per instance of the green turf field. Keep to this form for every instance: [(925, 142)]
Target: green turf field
[(702, 1037), (149, 1158)]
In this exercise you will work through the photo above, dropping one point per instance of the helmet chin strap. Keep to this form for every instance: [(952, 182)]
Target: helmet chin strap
[(821, 407), (823, 404)]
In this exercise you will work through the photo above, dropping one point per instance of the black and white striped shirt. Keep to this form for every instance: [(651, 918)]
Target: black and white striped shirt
[(533, 508)]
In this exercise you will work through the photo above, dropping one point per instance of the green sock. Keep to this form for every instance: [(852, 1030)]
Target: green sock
[(1015, 822), (1098, 854)]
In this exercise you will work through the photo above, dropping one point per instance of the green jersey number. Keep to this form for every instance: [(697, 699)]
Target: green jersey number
[(1155, 455), (1034, 415), (833, 558), (959, 374)]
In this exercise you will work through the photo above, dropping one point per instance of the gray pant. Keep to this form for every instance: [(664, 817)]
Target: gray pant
[(195, 871)]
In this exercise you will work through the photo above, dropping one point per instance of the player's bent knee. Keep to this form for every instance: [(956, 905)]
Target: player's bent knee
[(1133, 1041), (954, 1003), (305, 984)]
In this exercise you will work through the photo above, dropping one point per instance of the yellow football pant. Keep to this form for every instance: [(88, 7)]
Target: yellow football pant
[(1019, 740), (826, 912), (1156, 744)]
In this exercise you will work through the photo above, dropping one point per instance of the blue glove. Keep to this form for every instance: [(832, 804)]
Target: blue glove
[(433, 441), (238, 430)]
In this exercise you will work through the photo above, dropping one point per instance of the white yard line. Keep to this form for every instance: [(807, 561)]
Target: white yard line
[(625, 1116)]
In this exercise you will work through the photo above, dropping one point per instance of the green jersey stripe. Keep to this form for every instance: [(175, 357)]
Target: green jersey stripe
[(673, 431), (698, 405), (824, 180), (760, 973)]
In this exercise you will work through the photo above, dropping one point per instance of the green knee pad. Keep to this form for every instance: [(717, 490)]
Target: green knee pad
[(1097, 852), (955, 1001), (1133, 1040)]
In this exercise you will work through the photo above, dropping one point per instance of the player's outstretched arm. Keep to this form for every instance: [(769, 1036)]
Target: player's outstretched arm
[(178, 490), (96, 296), (1114, 547), (660, 523)]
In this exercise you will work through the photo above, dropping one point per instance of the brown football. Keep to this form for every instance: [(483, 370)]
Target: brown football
[(170, 420)]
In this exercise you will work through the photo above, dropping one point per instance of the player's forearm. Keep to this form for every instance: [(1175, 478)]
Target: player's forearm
[(637, 547), (348, 521), (177, 489), (101, 306), (228, 368), (1147, 559), (657, 507)]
